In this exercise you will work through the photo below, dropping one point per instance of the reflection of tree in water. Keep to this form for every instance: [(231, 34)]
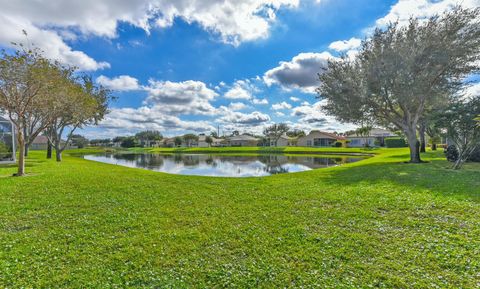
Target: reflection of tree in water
[(126, 157), (140, 160), (274, 164), (275, 169), (177, 158), (150, 160), (210, 160), (191, 160)]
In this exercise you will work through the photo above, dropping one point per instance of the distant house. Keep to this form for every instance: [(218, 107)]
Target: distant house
[(318, 138), (168, 142), (216, 142), (243, 140), (41, 143), (283, 141), (376, 137), (147, 143)]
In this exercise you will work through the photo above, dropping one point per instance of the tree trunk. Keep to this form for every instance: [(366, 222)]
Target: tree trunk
[(434, 146), (58, 149), (414, 145), (421, 132), (26, 142), (49, 150), (458, 163), (21, 153), (58, 155)]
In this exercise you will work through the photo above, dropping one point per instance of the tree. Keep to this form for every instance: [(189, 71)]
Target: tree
[(461, 128), (148, 136), (75, 103), (79, 141), (432, 130), (24, 85), (275, 131), (296, 133), (178, 141), (209, 140), (100, 142), (189, 138), (129, 142), (214, 134), (403, 70), (235, 133), (364, 131)]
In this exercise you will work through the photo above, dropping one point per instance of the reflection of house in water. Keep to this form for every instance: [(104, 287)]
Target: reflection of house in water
[(320, 162)]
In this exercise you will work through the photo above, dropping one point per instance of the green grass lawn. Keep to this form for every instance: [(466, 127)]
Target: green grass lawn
[(375, 223)]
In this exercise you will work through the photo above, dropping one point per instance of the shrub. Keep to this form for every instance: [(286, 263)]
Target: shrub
[(129, 142), (475, 156), (338, 144), (451, 153), (395, 142)]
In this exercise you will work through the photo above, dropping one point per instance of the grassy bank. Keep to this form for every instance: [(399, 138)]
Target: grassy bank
[(379, 222)]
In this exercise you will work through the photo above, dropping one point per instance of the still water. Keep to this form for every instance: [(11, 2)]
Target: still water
[(223, 165)]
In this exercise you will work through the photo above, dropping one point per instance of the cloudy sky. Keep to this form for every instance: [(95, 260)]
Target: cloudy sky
[(192, 65)]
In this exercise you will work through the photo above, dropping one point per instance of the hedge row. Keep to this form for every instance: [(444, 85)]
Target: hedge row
[(395, 142)]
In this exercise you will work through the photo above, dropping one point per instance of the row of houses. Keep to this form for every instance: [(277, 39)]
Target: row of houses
[(315, 138)]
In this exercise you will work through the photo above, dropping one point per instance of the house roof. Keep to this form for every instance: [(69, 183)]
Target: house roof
[(40, 139), (244, 137), (329, 134)]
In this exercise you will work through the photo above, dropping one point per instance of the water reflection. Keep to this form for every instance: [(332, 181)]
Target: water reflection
[(223, 165)]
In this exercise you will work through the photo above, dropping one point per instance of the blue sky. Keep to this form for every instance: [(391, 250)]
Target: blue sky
[(188, 66)]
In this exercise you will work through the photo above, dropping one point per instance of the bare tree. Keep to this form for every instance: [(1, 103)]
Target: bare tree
[(403, 70)]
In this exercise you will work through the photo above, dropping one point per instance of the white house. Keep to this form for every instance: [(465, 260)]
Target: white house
[(318, 138), (216, 142), (376, 137), (283, 141), (243, 140)]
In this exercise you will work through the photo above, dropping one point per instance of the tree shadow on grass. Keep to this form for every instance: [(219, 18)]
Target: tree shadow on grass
[(435, 176)]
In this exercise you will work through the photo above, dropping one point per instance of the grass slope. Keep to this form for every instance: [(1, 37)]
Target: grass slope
[(379, 222)]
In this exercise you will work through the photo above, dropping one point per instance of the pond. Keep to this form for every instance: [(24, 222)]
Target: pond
[(223, 165)]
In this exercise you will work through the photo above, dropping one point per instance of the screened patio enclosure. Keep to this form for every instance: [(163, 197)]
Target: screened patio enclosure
[(7, 141)]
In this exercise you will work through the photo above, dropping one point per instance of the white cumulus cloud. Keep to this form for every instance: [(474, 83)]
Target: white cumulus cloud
[(119, 83), (345, 45), (281, 105), (404, 9), (301, 72), (240, 90), (187, 97)]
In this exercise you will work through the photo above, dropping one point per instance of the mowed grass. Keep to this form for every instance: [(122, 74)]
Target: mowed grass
[(376, 223)]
